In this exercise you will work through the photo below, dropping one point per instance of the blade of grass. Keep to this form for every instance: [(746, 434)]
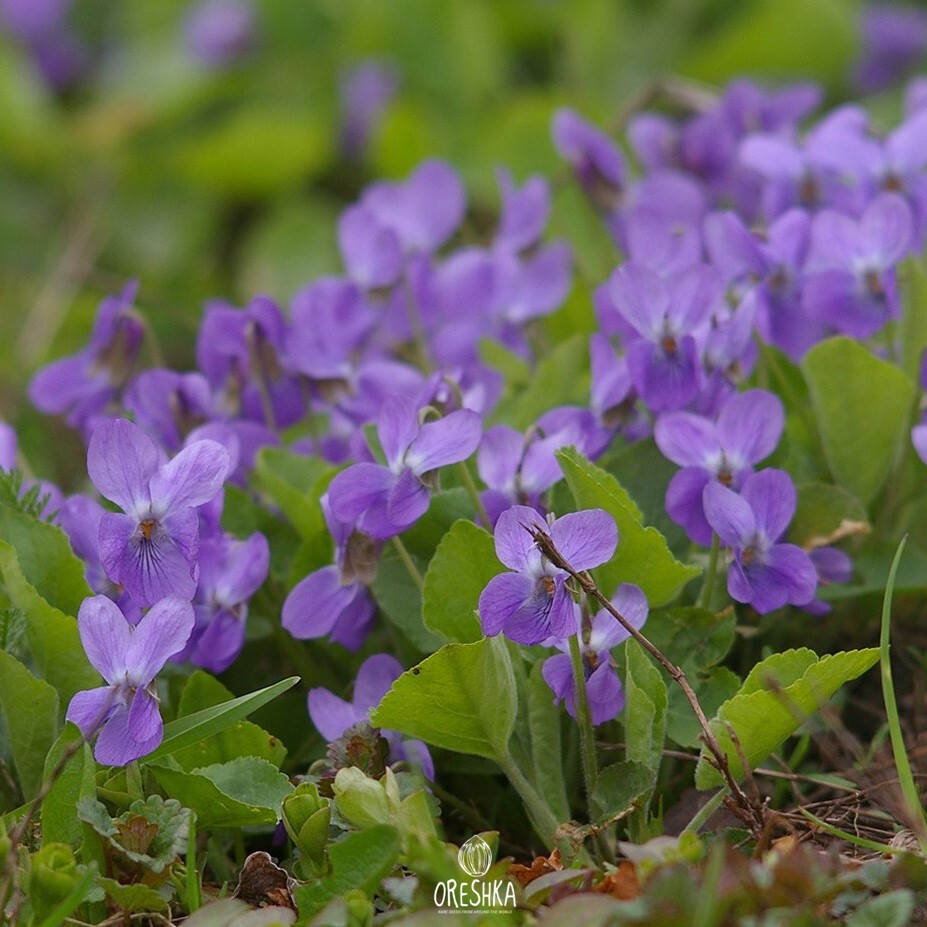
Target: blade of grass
[(912, 799), (848, 837)]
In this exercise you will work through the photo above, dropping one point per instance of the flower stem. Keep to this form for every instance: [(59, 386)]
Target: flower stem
[(470, 486), (408, 563), (706, 811), (704, 596), (543, 819), (584, 720)]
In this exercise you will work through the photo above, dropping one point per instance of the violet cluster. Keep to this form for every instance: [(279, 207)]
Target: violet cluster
[(744, 226)]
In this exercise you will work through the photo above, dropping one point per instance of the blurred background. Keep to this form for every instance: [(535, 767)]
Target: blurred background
[(206, 148)]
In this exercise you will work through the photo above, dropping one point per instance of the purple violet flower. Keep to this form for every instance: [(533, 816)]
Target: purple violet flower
[(532, 603), (595, 158), (128, 657), (231, 571), (747, 430), (366, 91), (385, 501), (603, 687), (333, 715), (334, 600), (832, 565), (83, 385), (667, 316), (9, 445), (763, 573), (854, 288), (220, 32), (151, 550)]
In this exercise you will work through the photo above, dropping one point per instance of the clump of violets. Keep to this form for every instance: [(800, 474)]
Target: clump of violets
[(128, 656), (532, 602), (151, 548)]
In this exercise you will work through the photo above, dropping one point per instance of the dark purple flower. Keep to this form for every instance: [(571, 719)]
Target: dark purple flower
[(385, 501), (424, 210), (666, 315), (532, 603), (854, 286), (333, 715), (595, 158), (603, 687), (763, 573), (747, 430), (151, 550), (220, 32), (128, 657), (334, 600), (231, 571), (83, 385)]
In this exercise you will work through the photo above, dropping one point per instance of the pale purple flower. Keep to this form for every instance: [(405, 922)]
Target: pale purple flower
[(151, 549), (366, 91), (334, 600), (747, 430), (230, 572), (9, 445), (763, 573), (667, 316), (383, 501), (83, 385), (169, 405), (832, 565), (854, 287), (524, 212), (894, 42), (333, 716), (424, 210), (532, 603), (220, 32), (128, 657), (603, 687), (371, 251), (595, 158)]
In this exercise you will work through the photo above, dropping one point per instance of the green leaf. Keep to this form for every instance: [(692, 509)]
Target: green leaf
[(814, 38), (463, 564), (289, 146), (135, 898), (359, 861), (862, 405), (618, 786), (46, 559), (544, 720), (400, 599), (52, 635), (230, 912), (826, 513), (295, 482), (243, 738), (645, 708), (912, 327), (202, 724), (76, 781), (461, 698), (777, 697), (643, 556), (30, 707), (561, 378), (893, 909), (239, 793), (693, 638), (712, 690)]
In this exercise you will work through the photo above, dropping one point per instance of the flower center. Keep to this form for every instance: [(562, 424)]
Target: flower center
[(749, 555), (146, 527), (668, 343), (874, 284)]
